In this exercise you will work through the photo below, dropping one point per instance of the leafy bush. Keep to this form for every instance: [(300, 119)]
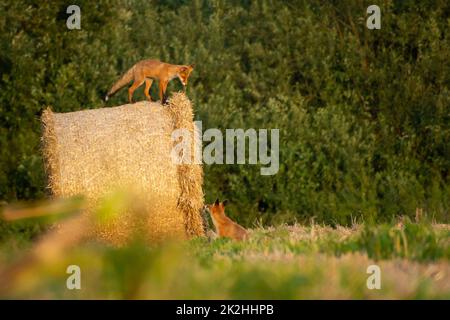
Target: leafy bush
[(363, 114)]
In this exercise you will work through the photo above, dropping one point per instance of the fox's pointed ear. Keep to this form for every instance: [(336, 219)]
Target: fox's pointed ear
[(225, 202), (192, 65), (217, 202)]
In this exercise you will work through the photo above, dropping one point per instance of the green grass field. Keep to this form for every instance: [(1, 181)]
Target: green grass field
[(284, 262)]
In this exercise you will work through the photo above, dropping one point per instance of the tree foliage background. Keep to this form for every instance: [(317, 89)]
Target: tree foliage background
[(363, 114)]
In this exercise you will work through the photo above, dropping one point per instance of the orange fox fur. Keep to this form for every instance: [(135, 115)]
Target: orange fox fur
[(225, 227), (147, 71)]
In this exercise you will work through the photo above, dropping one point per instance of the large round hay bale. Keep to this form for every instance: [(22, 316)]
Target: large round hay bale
[(94, 152)]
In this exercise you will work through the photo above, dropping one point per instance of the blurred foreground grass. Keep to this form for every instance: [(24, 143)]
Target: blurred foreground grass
[(283, 262)]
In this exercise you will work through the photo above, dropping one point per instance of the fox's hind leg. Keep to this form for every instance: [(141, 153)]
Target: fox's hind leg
[(136, 84), (148, 85)]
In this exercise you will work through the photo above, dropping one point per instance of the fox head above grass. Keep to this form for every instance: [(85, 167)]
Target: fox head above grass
[(225, 227), (217, 209)]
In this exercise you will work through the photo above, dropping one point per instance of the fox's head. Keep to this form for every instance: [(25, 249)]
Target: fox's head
[(217, 209), (184, 73)]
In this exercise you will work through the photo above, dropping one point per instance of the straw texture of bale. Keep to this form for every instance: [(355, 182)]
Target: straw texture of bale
[(96, 152)]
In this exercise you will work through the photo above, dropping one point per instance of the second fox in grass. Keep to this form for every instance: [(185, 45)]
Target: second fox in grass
[(225, 227), (147, 71)]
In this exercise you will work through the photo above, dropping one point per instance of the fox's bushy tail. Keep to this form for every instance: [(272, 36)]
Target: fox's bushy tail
[(126, 78)]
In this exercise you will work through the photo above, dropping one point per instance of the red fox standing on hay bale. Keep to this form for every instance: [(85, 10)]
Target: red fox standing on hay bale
[(225, 227), (147, 71)]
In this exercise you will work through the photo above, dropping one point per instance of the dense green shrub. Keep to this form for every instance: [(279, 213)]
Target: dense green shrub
[(363, 114)]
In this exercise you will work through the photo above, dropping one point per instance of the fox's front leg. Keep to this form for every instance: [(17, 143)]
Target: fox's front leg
[(162, 91)]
